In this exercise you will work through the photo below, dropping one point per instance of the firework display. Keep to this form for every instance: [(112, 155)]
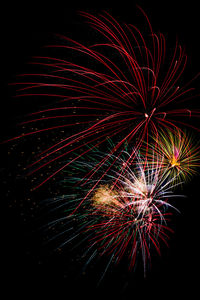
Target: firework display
[(122, 136)]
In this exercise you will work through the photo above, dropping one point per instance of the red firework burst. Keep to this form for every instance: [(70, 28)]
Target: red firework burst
[(124, 88)]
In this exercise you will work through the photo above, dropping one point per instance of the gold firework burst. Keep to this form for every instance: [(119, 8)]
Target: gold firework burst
[(179, 153)]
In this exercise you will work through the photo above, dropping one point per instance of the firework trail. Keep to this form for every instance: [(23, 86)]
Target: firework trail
[(125, 88)]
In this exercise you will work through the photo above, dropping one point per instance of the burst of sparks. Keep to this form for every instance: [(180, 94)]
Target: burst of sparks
[(124, 99), (127, 215), (180, 153)]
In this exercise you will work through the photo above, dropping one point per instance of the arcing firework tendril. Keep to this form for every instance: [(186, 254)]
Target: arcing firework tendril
[(124, 93)]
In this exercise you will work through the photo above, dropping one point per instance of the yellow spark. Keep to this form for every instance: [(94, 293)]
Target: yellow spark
[(174, 162)]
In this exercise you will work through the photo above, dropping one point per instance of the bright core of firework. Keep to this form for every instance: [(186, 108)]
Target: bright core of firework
[(141, 195), (174, 160)]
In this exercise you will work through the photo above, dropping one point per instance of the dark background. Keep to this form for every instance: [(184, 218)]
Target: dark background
[(29, 268)]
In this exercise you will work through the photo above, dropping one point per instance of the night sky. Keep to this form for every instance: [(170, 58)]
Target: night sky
[(30, 265)]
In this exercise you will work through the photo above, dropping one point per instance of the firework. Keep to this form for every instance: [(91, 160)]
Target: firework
[(179, 153), (126, 213), (123, 94)]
